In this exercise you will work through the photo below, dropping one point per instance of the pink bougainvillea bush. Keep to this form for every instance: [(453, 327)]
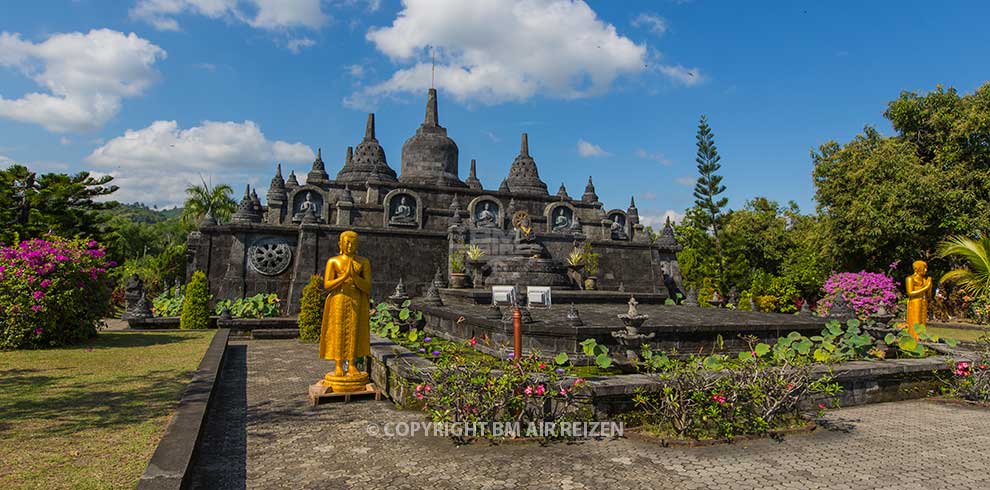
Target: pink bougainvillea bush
[(53, 292), (865, 292)]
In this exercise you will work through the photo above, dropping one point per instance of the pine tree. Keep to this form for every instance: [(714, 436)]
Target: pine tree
[(311, 310), (709, 186)]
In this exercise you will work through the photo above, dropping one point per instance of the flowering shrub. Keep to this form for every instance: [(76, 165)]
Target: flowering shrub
[(979, 311), (865, 291), (52, 292), (973, 379), (699, 402), (464, 389)]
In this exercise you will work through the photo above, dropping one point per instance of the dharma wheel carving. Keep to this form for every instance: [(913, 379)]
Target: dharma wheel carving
[(270, 256)]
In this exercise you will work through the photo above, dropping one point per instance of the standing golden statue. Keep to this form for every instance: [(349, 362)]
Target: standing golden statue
[(919, 288), (345, 334)]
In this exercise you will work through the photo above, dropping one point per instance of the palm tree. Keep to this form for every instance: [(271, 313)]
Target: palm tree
[(203, 198), (975, 278)]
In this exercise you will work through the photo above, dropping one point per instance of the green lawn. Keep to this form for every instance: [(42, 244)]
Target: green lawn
[(90, 416), (965, 335)]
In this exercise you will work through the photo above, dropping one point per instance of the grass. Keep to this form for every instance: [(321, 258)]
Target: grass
[(965, 335), (90, 415)]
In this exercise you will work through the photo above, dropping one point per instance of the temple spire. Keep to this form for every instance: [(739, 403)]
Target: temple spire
[(524, 145), (278, 170), (350, 155), (474, 168), (369, 129), (319, 153), (632, 201), (432, 116)]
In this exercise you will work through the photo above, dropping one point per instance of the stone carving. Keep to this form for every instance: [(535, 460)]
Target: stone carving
[(692, 298), (562, 222), (617, 228), (403, 213), (841, 309), (573, 317), (137, 303), (307, 205), (487, 217), (432, 296), (270, 256), (398, 296)]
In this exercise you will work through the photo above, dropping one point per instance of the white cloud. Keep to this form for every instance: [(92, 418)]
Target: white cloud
[(681, 75), (653, 22), (271, 15), (648, 196), (6, 161), (656, 157), (587, 149), (657, 218), (686, 181), (356, 71), (297, 44), (492, 136), (87, 76), (495, 51), (64, 141), (156, 163)]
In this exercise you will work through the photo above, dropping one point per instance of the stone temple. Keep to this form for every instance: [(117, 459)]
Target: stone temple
[(411, 223)]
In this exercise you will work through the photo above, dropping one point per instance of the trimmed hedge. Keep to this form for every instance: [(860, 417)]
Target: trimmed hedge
[(196, 304)]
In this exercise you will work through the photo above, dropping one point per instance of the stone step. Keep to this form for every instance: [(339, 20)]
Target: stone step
[(275, 333)]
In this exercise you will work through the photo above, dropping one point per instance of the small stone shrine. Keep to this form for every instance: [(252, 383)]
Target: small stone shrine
[(414, 220)]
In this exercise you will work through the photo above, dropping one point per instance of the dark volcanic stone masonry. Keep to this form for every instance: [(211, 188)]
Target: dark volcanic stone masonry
[(411, 222), (264, 435)]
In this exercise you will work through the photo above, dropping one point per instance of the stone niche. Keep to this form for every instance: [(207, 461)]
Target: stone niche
[(562, 217), (403, 209), (307, 196), (486, 212), (610, 231)]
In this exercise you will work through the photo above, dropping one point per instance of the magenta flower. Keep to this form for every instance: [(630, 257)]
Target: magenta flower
[(39, 331), (528, 391), (38, 294), (45, 283), (540, 390), (37, 308), (563, 391)]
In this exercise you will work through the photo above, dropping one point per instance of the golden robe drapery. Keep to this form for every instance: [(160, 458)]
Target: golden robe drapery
[(345, 334)]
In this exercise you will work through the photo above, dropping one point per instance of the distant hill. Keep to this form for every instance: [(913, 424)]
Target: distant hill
[(141, 213)]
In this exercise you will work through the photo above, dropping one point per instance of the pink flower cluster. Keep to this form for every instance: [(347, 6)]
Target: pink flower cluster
[(719, 398), (422, 390), (865, 292)]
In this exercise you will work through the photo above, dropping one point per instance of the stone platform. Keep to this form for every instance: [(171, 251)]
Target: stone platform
[(560, 297), (682, 328)]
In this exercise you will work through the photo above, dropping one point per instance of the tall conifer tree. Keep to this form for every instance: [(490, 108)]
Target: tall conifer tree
[(709, 186)]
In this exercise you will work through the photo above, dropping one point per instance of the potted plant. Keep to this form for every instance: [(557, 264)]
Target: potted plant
[(590, 267), (475, 262), (458, 279), (575, 264)]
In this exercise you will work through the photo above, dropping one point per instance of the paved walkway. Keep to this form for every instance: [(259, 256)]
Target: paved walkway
[(263, 434)]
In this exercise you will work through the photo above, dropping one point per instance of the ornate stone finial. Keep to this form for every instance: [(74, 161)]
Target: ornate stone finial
[(805, 309), (622, 287), (369, 128), (504, 186), (438, 279), (692, 298), (455, 204), (472, 180), (432, 296), (841, 309), (562, 192), (318, 174), (292, 182), (350, 156), (432, 117), (573, 317), (345, 195), (589, 192), (256, 201), (399, 296), (208, 219), (523, 175), (246, 211)]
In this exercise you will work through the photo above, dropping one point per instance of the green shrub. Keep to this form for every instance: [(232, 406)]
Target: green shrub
[(311, 310), (53, 292), (260, 305), (196, 304)]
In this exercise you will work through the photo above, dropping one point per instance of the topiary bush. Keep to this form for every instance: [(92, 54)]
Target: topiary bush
[(311, 310), (196, 304), (865, 291), (53, 292)]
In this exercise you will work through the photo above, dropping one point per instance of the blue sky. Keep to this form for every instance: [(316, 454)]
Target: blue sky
[(159, 92)]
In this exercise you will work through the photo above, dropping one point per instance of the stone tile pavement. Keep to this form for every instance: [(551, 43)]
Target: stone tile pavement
[(263, 434)]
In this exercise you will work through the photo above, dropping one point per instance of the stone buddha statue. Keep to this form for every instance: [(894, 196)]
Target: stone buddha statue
[(561, 223), (307, 206), (345, 334), (404, 214), (486, 218), (919, 288), (618, 233)]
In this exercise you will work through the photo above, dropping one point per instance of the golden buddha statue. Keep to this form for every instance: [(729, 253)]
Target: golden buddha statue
[(345, 334), (919, 288)]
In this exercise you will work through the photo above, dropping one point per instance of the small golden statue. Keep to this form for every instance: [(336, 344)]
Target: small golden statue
[(919, 288), (345, 334)]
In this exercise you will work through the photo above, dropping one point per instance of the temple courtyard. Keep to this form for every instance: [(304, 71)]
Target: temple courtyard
[(263, 433)]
